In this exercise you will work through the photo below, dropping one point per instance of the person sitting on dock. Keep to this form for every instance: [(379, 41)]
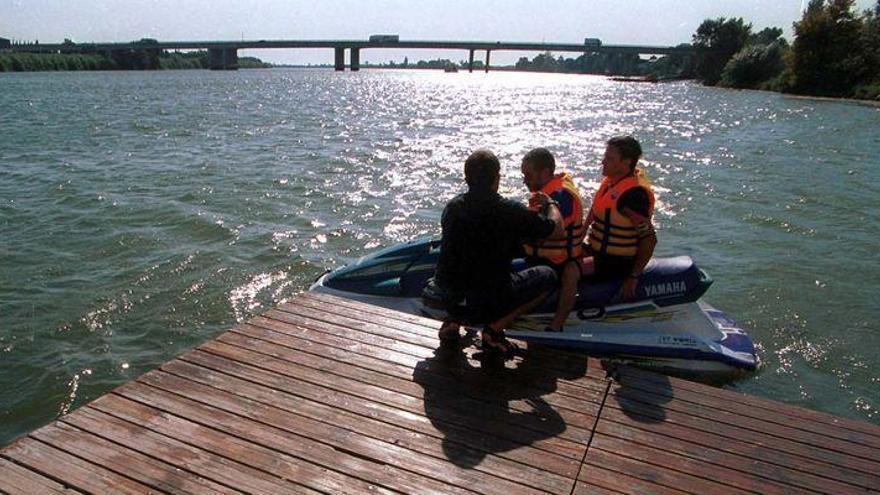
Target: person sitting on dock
[(621, 235), (559, 252), (482, 233)]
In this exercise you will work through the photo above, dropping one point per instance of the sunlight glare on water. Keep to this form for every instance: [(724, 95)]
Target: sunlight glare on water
[(143, 213)]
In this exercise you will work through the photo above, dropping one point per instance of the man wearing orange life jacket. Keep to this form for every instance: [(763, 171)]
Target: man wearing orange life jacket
[(621, 237), (561, 251)]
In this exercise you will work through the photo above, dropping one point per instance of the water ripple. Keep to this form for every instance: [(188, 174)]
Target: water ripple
[(143, 213)]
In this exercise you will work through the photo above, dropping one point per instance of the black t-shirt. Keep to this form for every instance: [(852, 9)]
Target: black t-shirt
[(482, 234), (636, 199)]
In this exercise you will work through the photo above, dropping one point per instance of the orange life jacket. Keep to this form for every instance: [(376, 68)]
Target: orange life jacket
[(611, 231), (558, 250)]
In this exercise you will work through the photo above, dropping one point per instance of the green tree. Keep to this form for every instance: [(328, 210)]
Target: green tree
[(754, 66), (827, 56), (717, 40), (767, 36)]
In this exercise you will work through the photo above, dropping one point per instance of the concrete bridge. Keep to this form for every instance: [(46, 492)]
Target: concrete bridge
[(224, 54)]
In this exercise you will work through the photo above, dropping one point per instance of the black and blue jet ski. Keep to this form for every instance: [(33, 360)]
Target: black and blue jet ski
[(666, 326)]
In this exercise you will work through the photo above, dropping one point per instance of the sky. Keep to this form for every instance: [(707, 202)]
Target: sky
[(649, 22)]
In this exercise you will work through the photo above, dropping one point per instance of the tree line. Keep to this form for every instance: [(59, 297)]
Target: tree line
[(120, 60), (835, 52)]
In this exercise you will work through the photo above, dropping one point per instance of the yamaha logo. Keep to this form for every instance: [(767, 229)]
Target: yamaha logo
[(665, 289)]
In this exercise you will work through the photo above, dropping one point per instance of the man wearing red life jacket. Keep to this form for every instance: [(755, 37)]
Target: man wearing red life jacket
[(561, 251), (621, 237)]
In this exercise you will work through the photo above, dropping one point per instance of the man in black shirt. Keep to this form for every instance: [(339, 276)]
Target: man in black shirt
[(482, 234)]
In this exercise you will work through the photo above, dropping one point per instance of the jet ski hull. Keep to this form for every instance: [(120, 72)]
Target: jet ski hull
[(669, 329)]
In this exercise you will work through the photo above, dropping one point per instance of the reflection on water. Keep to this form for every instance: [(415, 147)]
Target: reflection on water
[(143, 213)]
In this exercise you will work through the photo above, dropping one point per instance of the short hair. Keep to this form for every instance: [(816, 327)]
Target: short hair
[(628, 147), (481, 169), (541, 158)]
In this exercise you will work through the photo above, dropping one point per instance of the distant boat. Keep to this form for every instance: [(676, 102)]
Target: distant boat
[(648, 79), (450, 68)]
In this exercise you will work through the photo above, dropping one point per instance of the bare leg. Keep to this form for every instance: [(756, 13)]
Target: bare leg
[(502, 323), (571, 275)]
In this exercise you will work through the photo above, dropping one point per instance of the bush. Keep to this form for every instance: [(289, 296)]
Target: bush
[(868, 92), (753, 66)]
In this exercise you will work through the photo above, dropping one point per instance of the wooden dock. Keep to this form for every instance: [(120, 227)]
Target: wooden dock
[(324, 395)]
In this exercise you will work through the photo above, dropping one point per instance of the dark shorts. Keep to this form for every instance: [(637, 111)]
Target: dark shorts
[(611, 267), (481, 308)]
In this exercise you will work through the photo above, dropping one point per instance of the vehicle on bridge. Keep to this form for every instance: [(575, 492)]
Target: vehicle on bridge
[(384, 38), (592, 42)]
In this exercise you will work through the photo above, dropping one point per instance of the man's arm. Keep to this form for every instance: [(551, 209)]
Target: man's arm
[(644, 250), (550, 209), (553, 214)]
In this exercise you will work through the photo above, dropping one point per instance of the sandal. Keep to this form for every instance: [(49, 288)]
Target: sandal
[(449, 333), (497, 342)]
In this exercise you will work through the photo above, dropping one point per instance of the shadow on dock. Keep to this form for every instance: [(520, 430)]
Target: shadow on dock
[(641, 396), (490, 404)]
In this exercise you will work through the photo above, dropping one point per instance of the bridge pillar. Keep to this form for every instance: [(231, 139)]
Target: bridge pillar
[(339, 58), (355, 59), (223, 59), (488, 52), (471, 62)]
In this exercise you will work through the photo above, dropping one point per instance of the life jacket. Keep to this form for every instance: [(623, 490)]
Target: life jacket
[(558, 250), (611, 231)]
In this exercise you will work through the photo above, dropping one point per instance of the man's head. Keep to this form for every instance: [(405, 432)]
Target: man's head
[(538, 167), (622, 154), (482, 171)]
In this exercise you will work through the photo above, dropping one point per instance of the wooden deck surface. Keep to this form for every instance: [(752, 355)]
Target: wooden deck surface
[(324, 395)]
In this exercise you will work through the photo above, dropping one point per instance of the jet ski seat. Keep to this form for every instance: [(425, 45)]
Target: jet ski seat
[(664, 281)]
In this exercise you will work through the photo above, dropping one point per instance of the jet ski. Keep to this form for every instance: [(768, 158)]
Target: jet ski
[(666, 327)]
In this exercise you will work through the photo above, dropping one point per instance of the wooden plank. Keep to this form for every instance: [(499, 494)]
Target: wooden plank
[(340, 438), (707, 465), (599, 479), (496, 440), (151, 472), (15, 480), (587, 489), (341, 302), (549, 357), (660, 413), (415, 396), (750, 401), (284, 441), (76, 472), (439, 448), (432, 373), (775, 430), (643, 469), (615, 422), (571, 381), (423, 326), (543, 357), (231, 467), (778, 414), (425, 343)]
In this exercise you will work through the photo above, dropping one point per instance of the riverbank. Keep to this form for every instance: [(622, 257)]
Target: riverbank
[(856, 101), (40, 62)]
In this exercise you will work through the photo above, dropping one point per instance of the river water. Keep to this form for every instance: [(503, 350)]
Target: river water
[(144, 213)]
